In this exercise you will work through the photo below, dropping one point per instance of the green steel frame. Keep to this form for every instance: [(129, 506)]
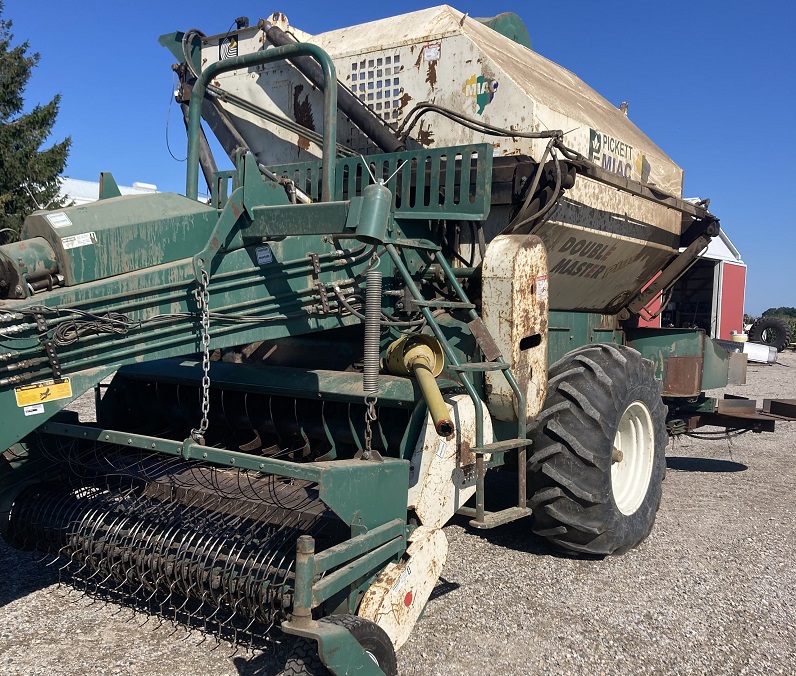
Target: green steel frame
[(287, 296)]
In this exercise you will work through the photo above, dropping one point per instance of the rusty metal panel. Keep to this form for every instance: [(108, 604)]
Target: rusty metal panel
[(399, 594), (736, 405), (682, 376), (780, 407), (514, 301), (757, 422), (485, 340), (603, 245), (441, 55), (736, 374)]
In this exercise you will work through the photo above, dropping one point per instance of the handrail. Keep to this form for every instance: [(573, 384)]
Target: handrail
[(256, 59)]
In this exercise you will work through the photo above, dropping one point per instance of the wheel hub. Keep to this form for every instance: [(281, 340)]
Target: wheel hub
[(632, 458)]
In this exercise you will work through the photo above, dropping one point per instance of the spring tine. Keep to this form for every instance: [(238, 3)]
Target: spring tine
[(203, 547)]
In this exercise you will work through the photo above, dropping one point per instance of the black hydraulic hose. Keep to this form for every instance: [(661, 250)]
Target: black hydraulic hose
[(187, 36), (371, 125), (206, 159), (477, 125)]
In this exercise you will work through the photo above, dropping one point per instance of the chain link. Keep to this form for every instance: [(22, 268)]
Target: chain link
[(202, 295), (370, 417)]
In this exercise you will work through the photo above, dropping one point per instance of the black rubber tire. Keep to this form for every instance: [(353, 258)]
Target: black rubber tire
[(771, 331), (304, 659), (569, 470)]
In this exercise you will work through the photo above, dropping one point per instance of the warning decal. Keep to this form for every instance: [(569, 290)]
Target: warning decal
[(47, 390)]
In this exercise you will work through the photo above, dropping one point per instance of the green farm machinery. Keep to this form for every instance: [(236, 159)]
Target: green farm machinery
[(408, 279)]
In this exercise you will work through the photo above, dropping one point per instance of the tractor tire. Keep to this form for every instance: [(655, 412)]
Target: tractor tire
[(598, 454), (771, 331), (304, 659)]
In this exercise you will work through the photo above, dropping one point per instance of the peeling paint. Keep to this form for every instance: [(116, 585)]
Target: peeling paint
[(424, 134), (302, 110), (514, 306), (438, 486), (431, 75), (399, 594)]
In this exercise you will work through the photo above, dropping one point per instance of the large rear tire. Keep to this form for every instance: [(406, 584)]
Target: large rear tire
[(771, 331), (304, 659), (598, 454)]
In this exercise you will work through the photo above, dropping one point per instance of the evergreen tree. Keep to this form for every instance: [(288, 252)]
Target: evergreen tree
[(28, 174)]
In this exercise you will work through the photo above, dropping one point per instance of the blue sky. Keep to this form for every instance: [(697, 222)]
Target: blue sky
[(712, 82)]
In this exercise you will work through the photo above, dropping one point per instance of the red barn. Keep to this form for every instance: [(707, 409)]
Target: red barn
[(710, 295)]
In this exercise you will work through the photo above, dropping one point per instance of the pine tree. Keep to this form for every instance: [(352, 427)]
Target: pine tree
[(28, 174)]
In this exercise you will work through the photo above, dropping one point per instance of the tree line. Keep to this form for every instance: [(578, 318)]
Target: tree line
[(29, 173)]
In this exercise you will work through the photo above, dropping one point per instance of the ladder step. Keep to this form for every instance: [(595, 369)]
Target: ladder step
[(443, 304), (481, 366), (498, 446), (493, 519)]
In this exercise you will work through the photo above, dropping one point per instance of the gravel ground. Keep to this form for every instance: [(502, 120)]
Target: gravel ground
[(711, 591)]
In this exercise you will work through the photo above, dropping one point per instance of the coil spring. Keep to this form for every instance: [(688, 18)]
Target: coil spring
[(370, 379)]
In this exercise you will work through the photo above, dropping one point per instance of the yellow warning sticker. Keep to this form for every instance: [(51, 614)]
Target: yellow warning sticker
[(46, 390)]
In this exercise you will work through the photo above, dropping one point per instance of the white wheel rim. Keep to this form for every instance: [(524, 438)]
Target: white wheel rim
[(631, 463)]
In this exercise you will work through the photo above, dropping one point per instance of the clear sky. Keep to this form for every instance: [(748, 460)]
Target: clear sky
[(711, 82)]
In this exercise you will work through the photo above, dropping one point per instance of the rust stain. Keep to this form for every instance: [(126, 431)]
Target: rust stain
[(303, 143), (466, 456), (419, 59), (302, 110), (235, 209), (424, 135), (431, 75), (404, 101)]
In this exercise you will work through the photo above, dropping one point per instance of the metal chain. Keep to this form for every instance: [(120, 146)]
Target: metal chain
[(202, 295), (370, 416)]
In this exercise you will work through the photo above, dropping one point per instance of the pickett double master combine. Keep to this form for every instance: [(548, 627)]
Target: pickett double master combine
[(429, 261)]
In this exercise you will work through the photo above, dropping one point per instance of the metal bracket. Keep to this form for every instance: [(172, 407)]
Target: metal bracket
[(41, 324), (324, 297), (316, 277), (316, 266), (48, 345), (485, 341), (52, 357)]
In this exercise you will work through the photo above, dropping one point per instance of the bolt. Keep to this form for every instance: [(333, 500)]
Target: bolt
[(129, 441), (204, 455), (616, 456)]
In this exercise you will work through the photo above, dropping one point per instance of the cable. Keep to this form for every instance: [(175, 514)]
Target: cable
[(384, 322), (557, 192), (477, 125), (70, 331), (729, 433), (186, 36), (168, 117)]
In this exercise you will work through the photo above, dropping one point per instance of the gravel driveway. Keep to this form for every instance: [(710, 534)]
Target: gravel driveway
[(711, 591)]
